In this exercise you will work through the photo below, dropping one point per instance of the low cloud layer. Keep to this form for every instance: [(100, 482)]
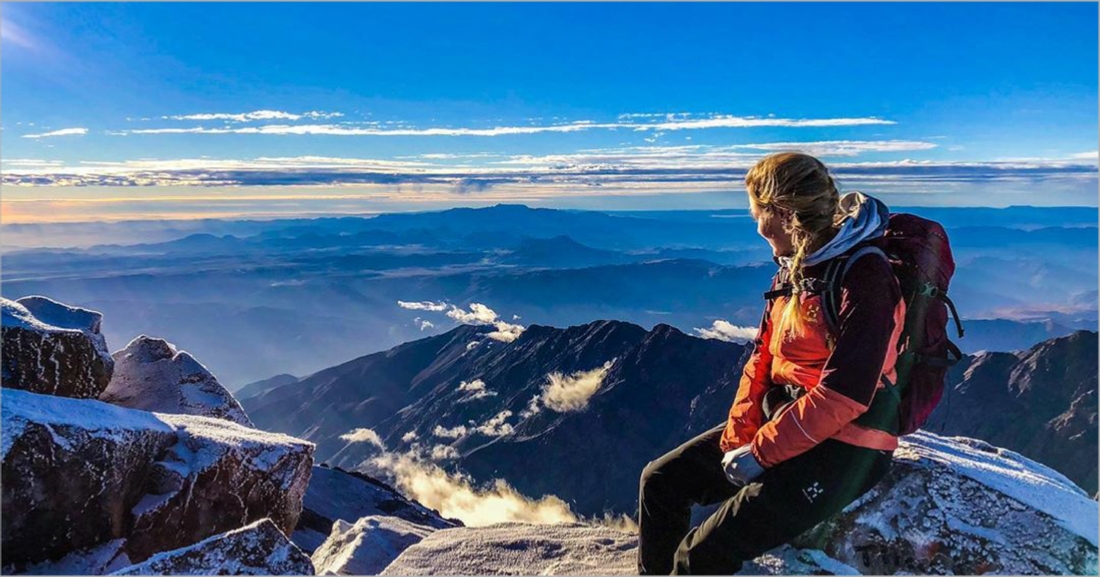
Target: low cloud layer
[(727, 331), (417, 473), (455, 495), (626, 171)]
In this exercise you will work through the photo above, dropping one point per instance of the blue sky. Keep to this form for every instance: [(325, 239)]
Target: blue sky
[(617, 105)]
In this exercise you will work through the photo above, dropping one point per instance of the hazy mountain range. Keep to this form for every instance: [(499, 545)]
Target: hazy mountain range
[(258, 298)]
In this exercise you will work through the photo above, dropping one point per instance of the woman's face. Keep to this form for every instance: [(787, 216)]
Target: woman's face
[(770, 225)]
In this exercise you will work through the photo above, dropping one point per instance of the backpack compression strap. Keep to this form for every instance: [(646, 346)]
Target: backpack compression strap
[(832, 307), (834, 274)]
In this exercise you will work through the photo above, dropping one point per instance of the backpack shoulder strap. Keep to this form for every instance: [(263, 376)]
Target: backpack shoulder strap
[(834, 275)]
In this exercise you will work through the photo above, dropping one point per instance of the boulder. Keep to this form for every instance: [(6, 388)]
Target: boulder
[(335, 494), (962, 506), (568, 549), (80, 473), (366, 547), (151, 375), (521, 549), (257, 549), (53, 349), (98, 560)]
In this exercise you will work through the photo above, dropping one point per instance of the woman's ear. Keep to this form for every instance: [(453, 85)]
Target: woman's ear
[(786, 216)]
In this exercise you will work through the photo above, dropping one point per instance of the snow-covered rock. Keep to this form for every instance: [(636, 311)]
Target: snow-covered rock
[(80, 473), (54, 349), (948, 506), (366, 547), (335, 494), (568, 549), (151, 375), (962, 506), (257, 549), (99, 560), (521, 549)]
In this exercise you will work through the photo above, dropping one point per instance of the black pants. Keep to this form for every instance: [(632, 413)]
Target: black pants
[(787, 500)]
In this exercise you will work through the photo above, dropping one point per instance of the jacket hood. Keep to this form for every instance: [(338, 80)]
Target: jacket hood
[(864, 217)]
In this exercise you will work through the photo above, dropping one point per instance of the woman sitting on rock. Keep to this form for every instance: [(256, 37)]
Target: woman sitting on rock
[(790, 455)]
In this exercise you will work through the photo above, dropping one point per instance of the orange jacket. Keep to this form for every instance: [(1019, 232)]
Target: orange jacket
[(841, 372)]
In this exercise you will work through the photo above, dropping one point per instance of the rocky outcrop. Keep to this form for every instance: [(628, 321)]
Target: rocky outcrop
[(338, 495), (962, 506), (521, 549), (54, 349), (80, 473), (151, 375), (948, 506), (99, 560), (366, 547), (257, 549)]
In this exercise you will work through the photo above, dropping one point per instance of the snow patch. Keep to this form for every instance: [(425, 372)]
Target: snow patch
[(366, 547), (1027, 481), (101, 420)]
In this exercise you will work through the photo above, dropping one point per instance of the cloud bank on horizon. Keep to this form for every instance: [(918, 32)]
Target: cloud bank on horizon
[(165, 125)]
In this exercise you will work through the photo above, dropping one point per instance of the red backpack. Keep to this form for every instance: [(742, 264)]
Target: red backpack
[(918, 251)]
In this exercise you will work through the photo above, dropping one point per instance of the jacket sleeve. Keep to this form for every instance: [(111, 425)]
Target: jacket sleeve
[(746, 414), (865, 335)]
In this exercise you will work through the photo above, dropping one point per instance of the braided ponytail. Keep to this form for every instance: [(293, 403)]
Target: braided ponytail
[(801, 185)]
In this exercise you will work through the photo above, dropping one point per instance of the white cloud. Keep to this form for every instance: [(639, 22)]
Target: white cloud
[(255, 115), (425, 324), (16, 34), (496, 426), (451, 433), (572, 393), (423, 306), (710, 122), (409, 437), (533, 408), (31, 162), (505, 332), (842, 147), (62, 132), (477, 390), (444, 453), (456, 496), (726, 331), (478, 314), (363, 436), (474, 385)]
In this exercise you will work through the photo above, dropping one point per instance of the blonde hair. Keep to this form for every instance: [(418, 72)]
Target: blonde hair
[(800, 184)]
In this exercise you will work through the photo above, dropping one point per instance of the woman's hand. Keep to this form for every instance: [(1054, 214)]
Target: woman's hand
[(740, 466)]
